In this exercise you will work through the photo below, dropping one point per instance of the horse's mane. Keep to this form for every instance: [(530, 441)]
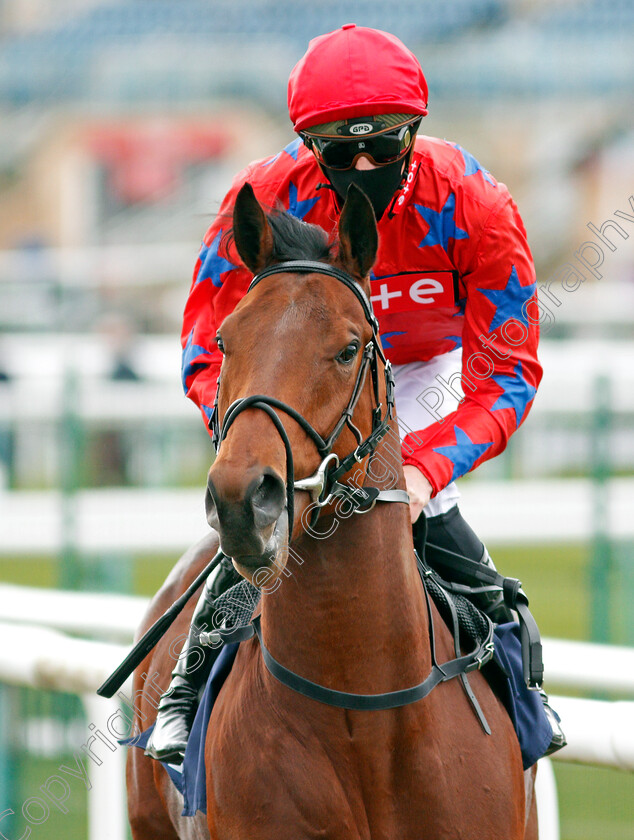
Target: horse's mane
[(293, 239)]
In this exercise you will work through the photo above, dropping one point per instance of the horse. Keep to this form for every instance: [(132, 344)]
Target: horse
[(306, 429)]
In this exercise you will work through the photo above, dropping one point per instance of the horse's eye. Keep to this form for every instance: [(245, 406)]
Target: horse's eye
[(348, 354), (220, 343)]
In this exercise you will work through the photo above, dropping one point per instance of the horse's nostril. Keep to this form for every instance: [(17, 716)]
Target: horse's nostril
[(267, 498), (210, 509)]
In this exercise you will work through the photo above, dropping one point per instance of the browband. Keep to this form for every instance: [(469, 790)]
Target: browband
[(313, 266)]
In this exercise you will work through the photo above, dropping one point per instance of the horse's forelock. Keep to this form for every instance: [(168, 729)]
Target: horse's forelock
[(294, 239)]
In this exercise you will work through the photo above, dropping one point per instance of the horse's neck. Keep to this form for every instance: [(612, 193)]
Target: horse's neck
[(350, 609)]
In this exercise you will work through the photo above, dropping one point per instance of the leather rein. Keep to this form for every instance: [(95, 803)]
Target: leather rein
[(324, 485)]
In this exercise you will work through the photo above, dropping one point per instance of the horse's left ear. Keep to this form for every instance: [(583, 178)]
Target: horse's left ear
[(251, 230), (358, 237)]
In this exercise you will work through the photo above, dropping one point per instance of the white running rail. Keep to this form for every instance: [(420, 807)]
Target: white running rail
[(169, 521), (599, 732)]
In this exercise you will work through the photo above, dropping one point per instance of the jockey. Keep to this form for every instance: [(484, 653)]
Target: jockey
[(453, 289)]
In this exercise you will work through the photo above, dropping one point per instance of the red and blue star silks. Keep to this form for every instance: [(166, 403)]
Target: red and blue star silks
[(454, 269)]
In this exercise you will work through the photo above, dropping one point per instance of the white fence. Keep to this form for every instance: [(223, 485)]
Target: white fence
[(41, 658), (570, 368), (168, 521), (36, 397), (599, 732)]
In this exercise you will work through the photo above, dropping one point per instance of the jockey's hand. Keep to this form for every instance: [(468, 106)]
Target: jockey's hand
[(419, 490)]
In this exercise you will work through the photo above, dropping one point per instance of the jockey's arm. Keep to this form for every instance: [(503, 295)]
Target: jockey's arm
[(500, 369), (219, 282)]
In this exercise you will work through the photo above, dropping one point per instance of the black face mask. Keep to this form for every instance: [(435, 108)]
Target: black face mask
[(378, 184)]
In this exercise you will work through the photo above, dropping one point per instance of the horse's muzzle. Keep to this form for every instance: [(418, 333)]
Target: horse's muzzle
[(246, 517)]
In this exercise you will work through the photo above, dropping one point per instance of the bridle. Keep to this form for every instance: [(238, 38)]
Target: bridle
[(324, 484)]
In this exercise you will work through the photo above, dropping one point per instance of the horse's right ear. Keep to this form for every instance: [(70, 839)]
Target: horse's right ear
[(251, 230)]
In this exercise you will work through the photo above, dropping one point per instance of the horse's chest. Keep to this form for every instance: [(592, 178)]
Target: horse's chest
[(347, 779), (281, 766)]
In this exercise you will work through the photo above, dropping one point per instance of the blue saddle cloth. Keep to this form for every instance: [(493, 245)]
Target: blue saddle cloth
[(524, 706), (189, 778)]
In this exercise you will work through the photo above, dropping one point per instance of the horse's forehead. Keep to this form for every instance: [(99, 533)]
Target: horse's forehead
[(291, 298)]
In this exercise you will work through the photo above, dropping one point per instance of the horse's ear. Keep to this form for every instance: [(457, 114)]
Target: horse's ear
[(251, 230), (358, 237)]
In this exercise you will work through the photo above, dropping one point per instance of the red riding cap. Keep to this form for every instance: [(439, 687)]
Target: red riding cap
[(355, 72)]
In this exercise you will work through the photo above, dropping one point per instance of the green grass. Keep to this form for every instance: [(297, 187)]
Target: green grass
[(555, 578), (72, 825), (595, 803), (145, 573), (31, 571)]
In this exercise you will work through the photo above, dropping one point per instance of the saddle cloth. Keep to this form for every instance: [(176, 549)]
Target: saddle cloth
[(504, 673)]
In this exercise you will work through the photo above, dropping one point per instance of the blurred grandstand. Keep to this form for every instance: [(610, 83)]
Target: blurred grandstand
[(122, 121), (121, 125)]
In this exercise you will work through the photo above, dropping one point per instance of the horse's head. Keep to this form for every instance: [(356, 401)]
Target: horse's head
[(304, 341)]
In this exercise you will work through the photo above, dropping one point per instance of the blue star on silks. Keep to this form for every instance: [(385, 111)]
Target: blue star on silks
[(385, 338), (461, 303), (299, 208), (509, 301), (191, 352), (517, 393), (292, 149), (464, 454), (212, 264), (442, 224), (457, 340), (471, 165)]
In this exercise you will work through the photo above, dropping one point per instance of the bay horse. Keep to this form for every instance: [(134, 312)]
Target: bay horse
[(304, 387)]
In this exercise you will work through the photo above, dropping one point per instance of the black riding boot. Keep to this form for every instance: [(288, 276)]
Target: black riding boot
[(435, 535), (177, 707)]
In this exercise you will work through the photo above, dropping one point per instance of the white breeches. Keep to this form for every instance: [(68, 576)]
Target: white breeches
[(411, 380)]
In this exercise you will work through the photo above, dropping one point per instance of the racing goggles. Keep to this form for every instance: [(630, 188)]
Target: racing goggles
[(381, 149)]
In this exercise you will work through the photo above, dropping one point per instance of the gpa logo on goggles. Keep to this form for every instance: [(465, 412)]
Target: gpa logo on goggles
[(361, 128), (356, 129)]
